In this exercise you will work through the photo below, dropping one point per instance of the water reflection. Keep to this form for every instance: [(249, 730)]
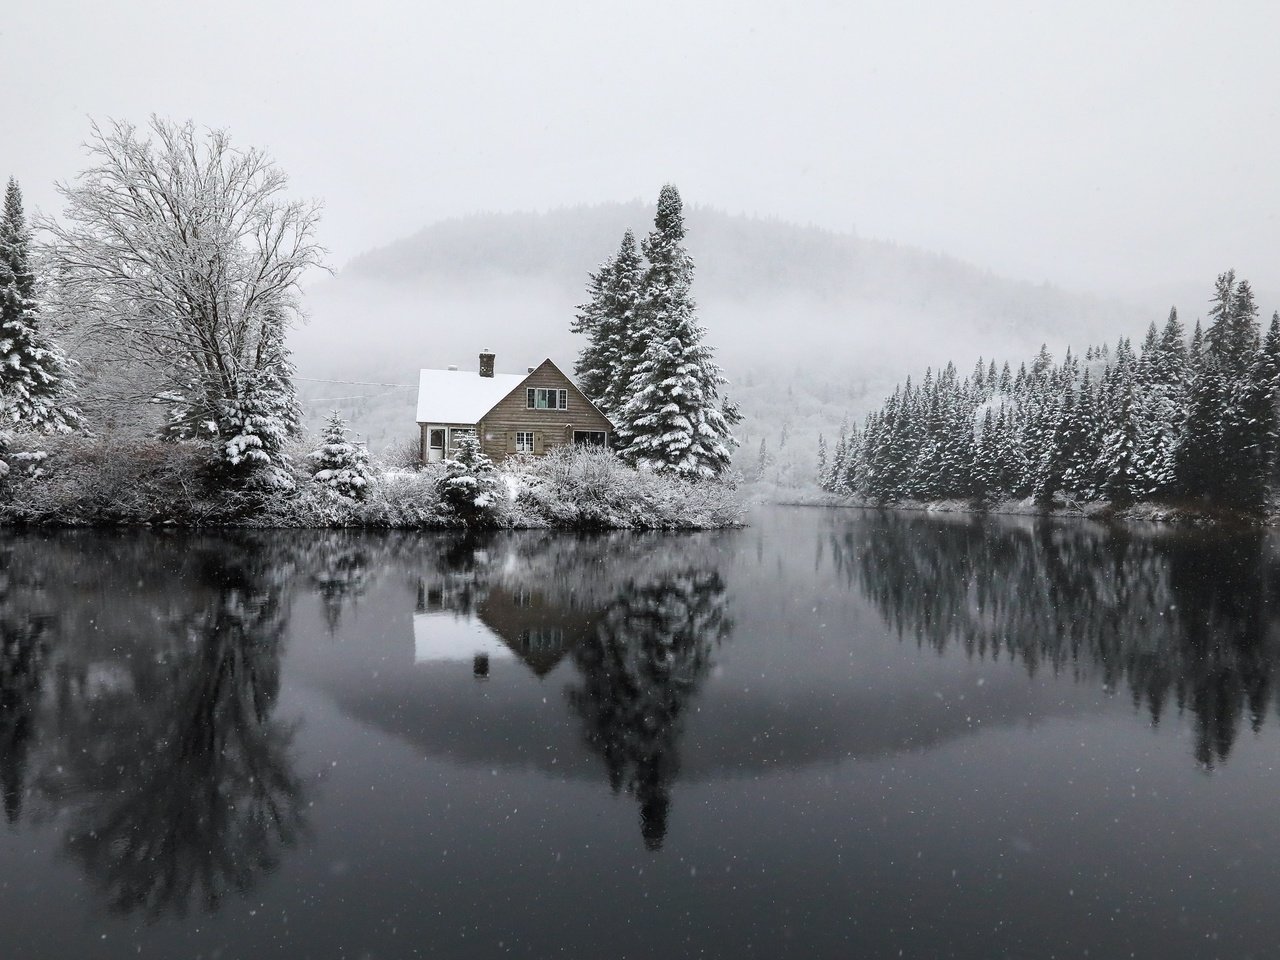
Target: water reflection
[(141, 683), (24, 628), (637, 617), (640, 667), (158, 745), (1171, 616)]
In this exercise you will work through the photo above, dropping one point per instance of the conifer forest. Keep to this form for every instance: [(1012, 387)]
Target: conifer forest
[(1176, 421)]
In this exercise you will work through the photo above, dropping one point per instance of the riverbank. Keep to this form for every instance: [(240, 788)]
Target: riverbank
[(85, 483), (1102, 511)]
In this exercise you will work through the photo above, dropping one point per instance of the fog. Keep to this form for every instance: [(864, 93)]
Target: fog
[(1110, 148), (872, 188)]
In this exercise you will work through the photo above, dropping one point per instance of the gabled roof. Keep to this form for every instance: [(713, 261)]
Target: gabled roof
[(461, 396)]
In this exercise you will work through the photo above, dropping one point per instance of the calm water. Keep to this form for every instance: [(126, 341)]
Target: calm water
[(833, 734)]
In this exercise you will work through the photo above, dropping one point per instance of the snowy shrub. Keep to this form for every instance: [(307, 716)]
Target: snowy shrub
[(585, 487), (74, 480), (404, 454), (338, 464), (470, 486)]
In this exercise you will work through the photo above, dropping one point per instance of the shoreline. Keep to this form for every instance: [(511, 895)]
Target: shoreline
[(1099, 512)]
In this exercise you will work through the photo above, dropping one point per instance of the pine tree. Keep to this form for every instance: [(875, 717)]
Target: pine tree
[(763, 459), (823, 479), (470, 485), (672, 421), (339, 464), (595, 367), (608, 319), (34, 386), (1265, 402)]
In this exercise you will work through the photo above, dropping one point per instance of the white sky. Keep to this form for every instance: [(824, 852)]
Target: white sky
[(1118, 146)]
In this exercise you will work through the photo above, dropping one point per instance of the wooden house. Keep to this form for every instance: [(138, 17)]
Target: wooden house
[(511, 413)]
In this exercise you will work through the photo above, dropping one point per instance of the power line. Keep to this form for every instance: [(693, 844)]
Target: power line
[(358, 383)]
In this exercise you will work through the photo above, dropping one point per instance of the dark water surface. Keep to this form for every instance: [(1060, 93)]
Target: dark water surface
[(833, 734)]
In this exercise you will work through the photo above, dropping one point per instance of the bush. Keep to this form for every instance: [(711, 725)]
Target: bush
[(586, 487), (106, 481), (85, 481)]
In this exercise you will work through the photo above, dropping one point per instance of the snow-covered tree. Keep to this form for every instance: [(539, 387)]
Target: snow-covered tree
[(34, 386), (608, 319), (672, 420), (184, 253), (338, 463), (470, 485)]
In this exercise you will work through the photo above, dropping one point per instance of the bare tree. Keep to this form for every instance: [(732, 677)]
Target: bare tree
[(184, 255)]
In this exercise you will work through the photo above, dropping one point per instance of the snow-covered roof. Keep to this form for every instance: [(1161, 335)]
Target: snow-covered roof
[(461, 396)]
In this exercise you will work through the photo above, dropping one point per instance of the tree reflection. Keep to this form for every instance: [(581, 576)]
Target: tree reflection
[(21, 660), (1187, 617), (639, 670), (179, 780)]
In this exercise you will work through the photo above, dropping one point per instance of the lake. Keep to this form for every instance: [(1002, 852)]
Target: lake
[(831, 734)]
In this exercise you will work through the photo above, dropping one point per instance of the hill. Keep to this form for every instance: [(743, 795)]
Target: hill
[(832, 317)]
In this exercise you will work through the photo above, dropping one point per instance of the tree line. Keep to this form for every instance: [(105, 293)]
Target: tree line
[(1176, 420), (646, 364)]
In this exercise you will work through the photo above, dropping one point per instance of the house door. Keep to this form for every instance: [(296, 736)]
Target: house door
[(435, 444)]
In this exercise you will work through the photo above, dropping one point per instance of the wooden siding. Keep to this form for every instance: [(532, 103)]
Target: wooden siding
[(550, 428)]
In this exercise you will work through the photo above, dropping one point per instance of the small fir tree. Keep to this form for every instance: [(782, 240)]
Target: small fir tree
[(339, 464), (470, 486)]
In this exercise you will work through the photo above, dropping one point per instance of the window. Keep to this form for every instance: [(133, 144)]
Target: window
[(589, 438), (541, 640), (457, 433), (545, 398), (524, 442)]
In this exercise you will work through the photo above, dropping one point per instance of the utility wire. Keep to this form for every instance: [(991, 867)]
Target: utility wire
[(358, 383)]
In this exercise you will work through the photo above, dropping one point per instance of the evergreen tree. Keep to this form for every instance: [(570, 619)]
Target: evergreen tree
[(672, 421), (34, 387), (339, 464), (470, 485), (823, 479), (608, 319), (763, 459)]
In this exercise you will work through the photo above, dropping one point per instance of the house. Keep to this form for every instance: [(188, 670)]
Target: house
[(512, 413)]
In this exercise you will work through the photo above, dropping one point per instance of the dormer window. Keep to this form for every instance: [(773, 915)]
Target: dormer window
[(545, 398)]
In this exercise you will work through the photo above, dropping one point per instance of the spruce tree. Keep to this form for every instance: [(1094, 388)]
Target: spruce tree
[(34, 387), (594, 368), (672, 420), (339, 464), (470, 486), (608, 319)]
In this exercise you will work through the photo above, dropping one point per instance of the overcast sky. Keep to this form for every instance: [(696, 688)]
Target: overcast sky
[(1117, 147)]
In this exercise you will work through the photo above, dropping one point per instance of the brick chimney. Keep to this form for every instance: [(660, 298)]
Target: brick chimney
[(486, 363)]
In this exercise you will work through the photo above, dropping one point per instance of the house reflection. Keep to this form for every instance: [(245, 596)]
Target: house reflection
[(505, 625), (636, 632)]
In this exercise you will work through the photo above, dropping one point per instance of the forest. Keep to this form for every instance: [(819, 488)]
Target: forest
[(1177, 421)]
